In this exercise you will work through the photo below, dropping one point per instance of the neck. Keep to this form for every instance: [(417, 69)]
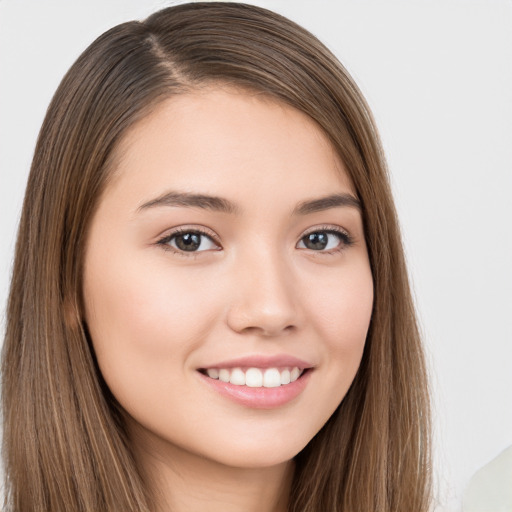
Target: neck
[(185, 482)]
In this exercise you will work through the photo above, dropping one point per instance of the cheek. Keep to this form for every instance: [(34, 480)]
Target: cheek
[(341, 310), (133, 303), (143, 323)]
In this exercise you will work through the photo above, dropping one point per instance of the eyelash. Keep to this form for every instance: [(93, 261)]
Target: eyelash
[(345, 239), (164, 241)]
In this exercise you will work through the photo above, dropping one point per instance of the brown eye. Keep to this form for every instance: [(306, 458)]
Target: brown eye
[(326, 240), (316, 241), (189, 241)]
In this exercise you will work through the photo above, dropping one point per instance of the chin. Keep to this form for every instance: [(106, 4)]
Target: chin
[(256, 458), (254, 452)]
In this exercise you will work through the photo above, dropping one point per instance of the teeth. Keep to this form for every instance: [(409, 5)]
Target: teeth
[(224, 375), (256, 377), (237, 377), (272, 378), (285, 377), (213, 373)]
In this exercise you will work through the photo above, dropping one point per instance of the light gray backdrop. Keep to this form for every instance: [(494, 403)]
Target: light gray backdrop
[(438, 75)]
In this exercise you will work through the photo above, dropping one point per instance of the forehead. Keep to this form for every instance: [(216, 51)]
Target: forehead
[(226, 141)]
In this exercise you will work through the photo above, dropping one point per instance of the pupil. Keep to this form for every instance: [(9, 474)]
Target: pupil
[(188, 241), (316, 241)]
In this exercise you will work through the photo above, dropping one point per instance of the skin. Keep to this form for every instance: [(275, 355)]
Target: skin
[(156, 315)]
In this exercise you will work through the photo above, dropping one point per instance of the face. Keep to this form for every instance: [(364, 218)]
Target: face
[(227, 285)]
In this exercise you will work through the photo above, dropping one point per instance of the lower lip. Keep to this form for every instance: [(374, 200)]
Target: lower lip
[(260, 398)]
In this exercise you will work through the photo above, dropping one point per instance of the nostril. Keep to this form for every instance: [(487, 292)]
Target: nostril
[(262, 321), (268, 331)]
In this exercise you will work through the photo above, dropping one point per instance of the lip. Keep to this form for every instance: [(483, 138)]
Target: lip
[(260, 398), (262, 361)]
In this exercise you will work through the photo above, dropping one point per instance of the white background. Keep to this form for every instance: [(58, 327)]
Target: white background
[(438, 76)]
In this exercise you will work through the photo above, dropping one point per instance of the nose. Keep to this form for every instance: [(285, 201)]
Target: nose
[(264, 301)]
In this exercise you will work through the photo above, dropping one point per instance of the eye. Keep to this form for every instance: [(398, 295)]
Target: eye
[(189, 241), (328, 240)]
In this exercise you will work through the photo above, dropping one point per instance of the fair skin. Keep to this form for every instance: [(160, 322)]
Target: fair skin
[(263, 277)]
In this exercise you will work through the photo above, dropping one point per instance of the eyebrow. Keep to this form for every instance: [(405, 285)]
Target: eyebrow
[(326, 203), (188, 200), (219, 204)]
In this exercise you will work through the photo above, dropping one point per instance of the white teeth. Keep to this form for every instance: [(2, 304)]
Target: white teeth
[(271, 378), (294, 374), (256, 377), (213, 373), (224, 375), (285, 377), (237, 377)]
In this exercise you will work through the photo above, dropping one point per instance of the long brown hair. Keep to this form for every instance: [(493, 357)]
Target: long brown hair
[(65, 447)]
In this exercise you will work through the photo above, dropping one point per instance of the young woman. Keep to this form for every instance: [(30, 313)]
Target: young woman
[(209, 305)]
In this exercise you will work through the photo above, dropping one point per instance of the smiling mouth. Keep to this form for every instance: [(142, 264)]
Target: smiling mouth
[(255, 377)]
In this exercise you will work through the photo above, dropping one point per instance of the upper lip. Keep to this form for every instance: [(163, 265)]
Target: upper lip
[(262, 361)]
